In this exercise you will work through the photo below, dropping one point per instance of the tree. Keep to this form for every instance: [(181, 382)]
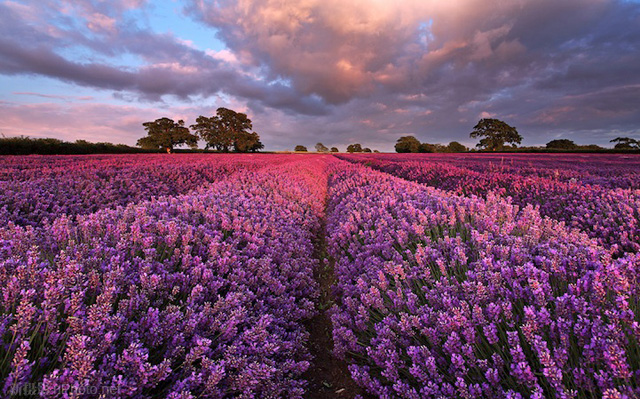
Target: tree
[(562, 144), (494, 134), (334, 149), (366, 149), (440, 148), (354, 148), (426, 147), (300, 148), (454, 146), (407, 144), (165, 133), (246, 142), (321, 148), (208, 129), (625, 143), (227, 129)]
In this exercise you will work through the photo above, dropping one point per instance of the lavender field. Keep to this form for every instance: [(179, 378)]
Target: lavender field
[(205, 276)]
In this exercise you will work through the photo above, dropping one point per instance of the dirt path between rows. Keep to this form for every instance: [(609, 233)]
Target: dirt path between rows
[(328, 376)]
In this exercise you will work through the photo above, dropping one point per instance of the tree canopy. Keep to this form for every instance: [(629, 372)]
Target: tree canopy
[(334, 149), (407, 144), (226, 130), (321, 148), (245, 142), (626, 143), (207, 128), (426, 147), (165, 133), (354, 147), (494, 133), (562, 144), (412, 144), (300, 148), (454, 146)]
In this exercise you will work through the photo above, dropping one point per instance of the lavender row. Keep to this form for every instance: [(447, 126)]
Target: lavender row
[(612, 216), (35, 189), (21, 168), (200, 295), (605, 170), (447, 296)]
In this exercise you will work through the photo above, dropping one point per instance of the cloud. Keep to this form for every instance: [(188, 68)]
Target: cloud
[(101, 23), (461, 51), (54, 96), (73, 121), (169, 65), (334, 49), (361, 70)]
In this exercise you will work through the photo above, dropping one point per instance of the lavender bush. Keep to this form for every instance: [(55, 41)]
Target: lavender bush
[(610, 215), (36, 188), (447, 296), (199, 295), (606, 170), (192, 276)]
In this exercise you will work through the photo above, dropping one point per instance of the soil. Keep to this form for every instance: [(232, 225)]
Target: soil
[(328, 376)]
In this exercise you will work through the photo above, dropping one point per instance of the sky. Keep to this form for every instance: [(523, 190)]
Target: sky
[(330, 71)]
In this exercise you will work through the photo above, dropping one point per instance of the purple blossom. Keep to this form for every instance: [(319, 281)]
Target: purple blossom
[(192, 276), (197, 286), (509, 303)]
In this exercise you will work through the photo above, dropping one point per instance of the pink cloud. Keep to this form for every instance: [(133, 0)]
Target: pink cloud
[(172, 67), (341, 50), (223, 55), (94, 121), (98, 22), (332, 48), (73, 121), (485, 114)]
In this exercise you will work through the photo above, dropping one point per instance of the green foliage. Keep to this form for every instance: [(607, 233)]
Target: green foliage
[(23, 145), (564, 144), (226, 130), (494, 133), (587, 149), (626, 143), (334, 149), (592, 147), (208, 130), (407, 144), (454, 146), (300, 148), (166, 134), (247, 142), (426, 148), (321, 148), (354, 147)]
